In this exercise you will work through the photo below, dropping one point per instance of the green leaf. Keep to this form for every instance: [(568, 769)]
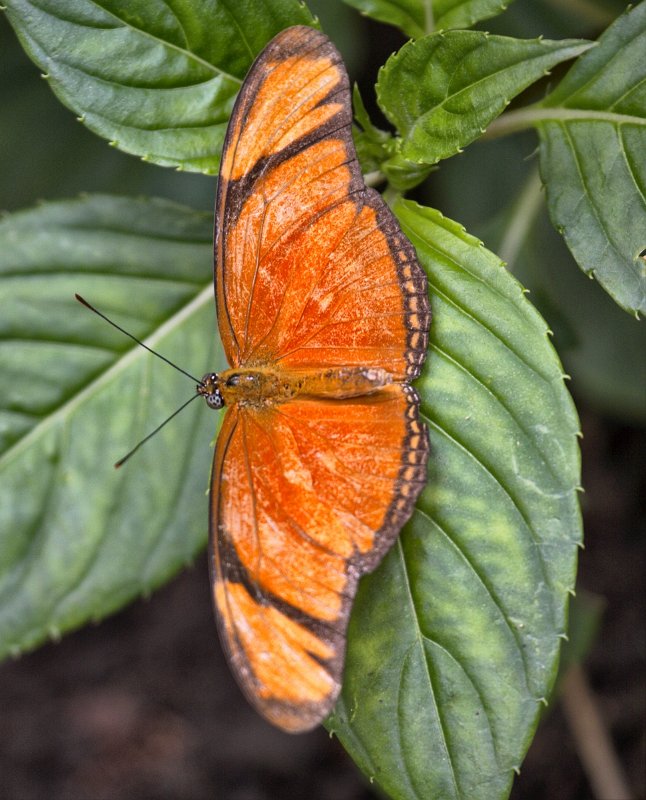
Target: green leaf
[(79, 539), (442, 91), (454, 640), (592, 160), (419, 17), (602, 347), (153, 78)]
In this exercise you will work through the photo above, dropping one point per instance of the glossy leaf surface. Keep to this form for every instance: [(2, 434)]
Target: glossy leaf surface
[(442, 91), (154, 79)]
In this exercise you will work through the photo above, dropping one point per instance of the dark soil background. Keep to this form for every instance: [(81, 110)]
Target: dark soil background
[(143, 706)]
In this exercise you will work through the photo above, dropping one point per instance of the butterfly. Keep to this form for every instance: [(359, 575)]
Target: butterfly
[(323, 313)]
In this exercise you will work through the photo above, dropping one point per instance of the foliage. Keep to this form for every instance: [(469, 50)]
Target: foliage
[(454, 640)]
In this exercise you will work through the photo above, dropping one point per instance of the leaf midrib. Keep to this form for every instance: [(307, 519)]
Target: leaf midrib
[(419, 641)]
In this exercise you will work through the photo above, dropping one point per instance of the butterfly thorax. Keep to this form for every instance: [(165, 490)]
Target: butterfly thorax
[(272, 385)]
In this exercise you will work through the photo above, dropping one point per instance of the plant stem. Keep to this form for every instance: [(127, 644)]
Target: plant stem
[(591, 738), (514, 121), (390, 195), (429, 18), (526, 208), (374, 178)]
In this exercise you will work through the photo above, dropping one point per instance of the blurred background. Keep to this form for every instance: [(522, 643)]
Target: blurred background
[(143, 705)]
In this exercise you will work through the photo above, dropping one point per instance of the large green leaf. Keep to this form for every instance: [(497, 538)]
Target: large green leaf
[(442, 91), (78, 538), (157, 80), (593, 146), (419, 17), (454, 641)]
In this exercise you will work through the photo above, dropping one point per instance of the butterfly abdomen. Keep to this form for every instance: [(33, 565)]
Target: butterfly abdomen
[(342, 382), (270, 385)]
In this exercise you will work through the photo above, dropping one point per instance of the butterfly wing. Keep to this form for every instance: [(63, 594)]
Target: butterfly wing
[(311, 270), (311, 266), (306, 497)]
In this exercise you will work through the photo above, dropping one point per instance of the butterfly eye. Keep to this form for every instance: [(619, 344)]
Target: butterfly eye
[(215, 400)]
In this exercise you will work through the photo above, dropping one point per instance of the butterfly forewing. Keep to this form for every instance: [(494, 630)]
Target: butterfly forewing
[(311, 266)]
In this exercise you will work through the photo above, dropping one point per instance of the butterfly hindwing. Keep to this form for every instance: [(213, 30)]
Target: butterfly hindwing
[(307, 496)]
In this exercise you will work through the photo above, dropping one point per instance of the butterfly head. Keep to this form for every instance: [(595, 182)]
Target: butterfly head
[(209, 388)]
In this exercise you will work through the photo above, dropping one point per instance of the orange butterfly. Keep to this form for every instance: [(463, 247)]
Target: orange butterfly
[(324, 315)]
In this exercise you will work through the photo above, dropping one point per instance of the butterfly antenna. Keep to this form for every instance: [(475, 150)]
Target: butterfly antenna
[(145, 346), (123, 460)]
